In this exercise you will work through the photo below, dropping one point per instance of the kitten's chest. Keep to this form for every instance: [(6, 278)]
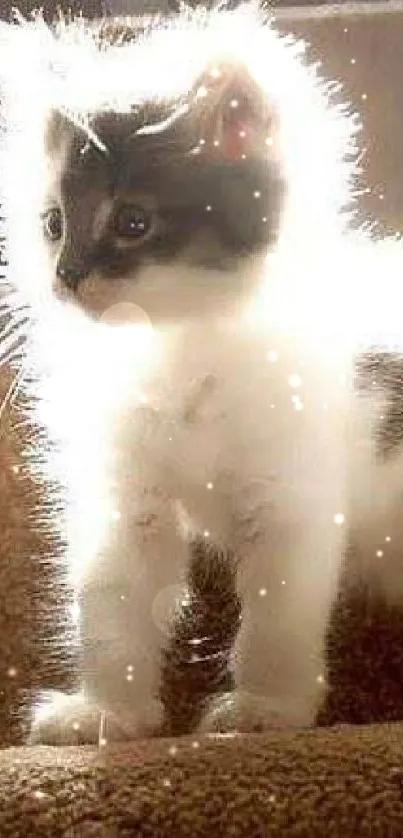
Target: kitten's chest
[(229, 406)]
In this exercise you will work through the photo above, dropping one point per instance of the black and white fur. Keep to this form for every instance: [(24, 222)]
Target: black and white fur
[(196, 376)]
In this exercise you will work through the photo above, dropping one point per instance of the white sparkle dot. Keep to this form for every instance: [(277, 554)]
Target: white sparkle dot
[(269, 141), (345, 29), (12, 672), (39, 794), (364, 96), (320, 679), (166, 783), (262, 591), (76, 726), (272, 406), (388, 538), (257, 194), (15, 469), (379, 553), (283, 582), (272, 355), (210, 486), (242, 133), (234, 103), (298, 404), (208, 208), (195, 744), (202, 142), (352, 61), (272, 798), (381, 197), (264, 219), (130, 667), (102, 742), (243, 156), (295, 380), (129, 676), (216, 143), (339, 518), (206, 533), (172, 750), (170, 439), (201, 92), (122, 596)]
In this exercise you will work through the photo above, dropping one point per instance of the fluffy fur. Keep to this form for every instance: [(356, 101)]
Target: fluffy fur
[(197, 383)]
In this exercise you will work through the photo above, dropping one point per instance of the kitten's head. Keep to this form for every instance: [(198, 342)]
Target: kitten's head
[(167, 208), (175, 156)]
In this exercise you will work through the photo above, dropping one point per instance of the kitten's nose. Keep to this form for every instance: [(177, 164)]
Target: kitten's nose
[(72, 274)]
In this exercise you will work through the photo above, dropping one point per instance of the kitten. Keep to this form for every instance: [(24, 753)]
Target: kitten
[(180, 233)]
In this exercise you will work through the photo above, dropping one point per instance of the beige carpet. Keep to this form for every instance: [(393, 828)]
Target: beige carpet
[(335, 783)]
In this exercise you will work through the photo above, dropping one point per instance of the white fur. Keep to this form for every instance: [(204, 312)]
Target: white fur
[(148, 453)]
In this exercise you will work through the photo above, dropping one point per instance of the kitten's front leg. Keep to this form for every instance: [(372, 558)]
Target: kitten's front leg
[(126, 606), (287, 585)]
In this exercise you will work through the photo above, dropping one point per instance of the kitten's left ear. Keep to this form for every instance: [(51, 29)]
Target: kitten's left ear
[(231, 113)]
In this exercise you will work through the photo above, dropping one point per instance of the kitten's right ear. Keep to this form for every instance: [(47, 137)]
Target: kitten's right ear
[(231, 113)]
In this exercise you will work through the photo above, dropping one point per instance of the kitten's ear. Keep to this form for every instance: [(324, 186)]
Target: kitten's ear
[(232, 114)]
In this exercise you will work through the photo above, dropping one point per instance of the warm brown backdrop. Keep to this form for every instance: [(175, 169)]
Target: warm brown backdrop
[(365, 52)]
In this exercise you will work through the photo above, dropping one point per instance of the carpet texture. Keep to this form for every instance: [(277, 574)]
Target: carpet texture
[(343, 781)]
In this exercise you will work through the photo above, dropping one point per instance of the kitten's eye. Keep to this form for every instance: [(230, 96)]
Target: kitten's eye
[(53, 224), (133, 222)]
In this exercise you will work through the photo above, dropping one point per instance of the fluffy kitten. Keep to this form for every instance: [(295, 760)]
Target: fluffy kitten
[(179, 231)]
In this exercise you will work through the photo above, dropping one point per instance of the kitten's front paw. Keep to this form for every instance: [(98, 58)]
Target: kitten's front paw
[(244, 712), (65, 720), (74, 720)]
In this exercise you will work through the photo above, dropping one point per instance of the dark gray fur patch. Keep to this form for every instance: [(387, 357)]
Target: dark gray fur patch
[(196, 664), (383, 372), (245, 196)]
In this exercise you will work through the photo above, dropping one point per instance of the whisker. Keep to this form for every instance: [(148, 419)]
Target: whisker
[(84, 126), (164, 125)]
